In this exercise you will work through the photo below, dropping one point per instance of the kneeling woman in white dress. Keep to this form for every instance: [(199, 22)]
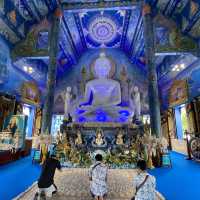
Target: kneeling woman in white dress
[(98, 178)]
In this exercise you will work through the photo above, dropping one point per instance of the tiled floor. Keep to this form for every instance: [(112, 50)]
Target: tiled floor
[(73, 184)]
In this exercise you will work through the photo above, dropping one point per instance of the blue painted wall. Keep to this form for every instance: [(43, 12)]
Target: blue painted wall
[(4, 61), (11, 83)]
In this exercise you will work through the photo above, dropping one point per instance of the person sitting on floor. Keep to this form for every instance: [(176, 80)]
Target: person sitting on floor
[(98, 178), (144, 183), (46, 186)]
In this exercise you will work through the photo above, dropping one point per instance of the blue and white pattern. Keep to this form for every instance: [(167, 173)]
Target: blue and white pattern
[(103, 29), (98, 185), (148, 190)]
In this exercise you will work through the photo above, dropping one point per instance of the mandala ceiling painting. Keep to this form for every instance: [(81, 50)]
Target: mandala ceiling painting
[(103, 28)]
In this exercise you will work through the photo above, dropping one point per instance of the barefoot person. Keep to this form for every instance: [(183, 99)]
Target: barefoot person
[(144, 183), (98, 178), (46, 186)]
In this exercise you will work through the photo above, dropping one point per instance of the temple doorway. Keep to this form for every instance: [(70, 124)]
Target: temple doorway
[(29, 111), (181, 121)]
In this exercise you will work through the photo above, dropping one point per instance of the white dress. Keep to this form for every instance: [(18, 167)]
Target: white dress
[(148, 190), (98, 185)]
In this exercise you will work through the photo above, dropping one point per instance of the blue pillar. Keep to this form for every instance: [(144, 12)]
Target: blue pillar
[(154, 103), (52, 71)]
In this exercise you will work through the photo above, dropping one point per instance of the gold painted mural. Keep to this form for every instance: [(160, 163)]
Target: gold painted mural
[(30, 93), (178, 93)]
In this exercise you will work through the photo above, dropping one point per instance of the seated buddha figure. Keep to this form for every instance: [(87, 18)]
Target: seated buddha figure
[(120, 140), (99, 140), (78, 140), (101, 92)]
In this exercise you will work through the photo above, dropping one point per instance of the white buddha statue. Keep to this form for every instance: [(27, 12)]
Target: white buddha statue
[(78, 140), (67, 101), (104, 92), (135, 102)]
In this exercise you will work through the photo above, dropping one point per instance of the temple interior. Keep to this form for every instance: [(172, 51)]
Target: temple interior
[(116, 78)]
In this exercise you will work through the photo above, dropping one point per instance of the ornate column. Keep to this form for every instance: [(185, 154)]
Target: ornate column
[(52, 70), (154, 103)]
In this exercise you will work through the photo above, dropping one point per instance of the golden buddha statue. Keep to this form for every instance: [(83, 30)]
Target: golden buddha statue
[(66, 146), (99, 137), (120, 140), (78, 140)]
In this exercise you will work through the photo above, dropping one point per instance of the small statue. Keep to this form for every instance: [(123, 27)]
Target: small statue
[(66, 146), (99, 140), (99, 137), (58, 137), (78, 140), (119, 140), (135, 102), (67, 101)]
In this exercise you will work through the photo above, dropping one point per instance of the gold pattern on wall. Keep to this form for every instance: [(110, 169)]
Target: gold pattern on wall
[(178, 93), (30, 93)]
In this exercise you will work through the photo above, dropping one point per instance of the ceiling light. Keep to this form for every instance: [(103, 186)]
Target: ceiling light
[(182, 66), (173, 69), (30, 70), (176, 66), (25, 68)]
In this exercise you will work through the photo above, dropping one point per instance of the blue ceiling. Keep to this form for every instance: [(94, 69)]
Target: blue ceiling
[(82, 29)]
